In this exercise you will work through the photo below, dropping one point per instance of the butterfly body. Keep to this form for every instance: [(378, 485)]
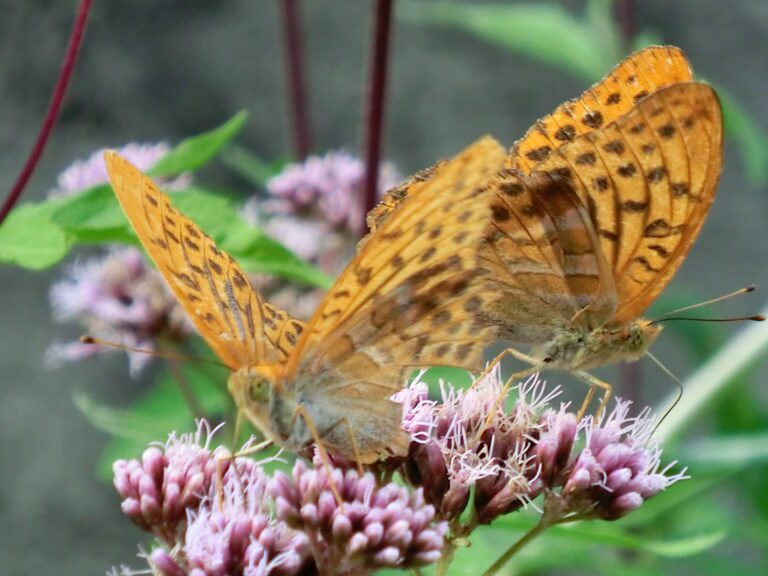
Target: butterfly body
[(582, 348)]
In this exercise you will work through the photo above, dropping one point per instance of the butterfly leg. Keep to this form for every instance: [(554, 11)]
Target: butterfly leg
[(231, 458), (302, 413), (344, 421), (508, 352), (595, 383)]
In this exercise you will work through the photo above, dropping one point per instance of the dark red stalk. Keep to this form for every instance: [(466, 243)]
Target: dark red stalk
[(374, 114), (70, 57), (624, 12), (295, 77)]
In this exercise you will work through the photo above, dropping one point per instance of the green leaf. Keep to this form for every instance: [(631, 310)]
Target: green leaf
[(153, 416), (746, 348), (95, 209), (254, 169), (95, 216), (611, 534), (195, 152), (31, 239), (751, 138), (527, 29), (726, 452)]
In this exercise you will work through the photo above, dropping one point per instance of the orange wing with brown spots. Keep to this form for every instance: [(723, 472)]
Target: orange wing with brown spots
[(633, 79), (237, 324), (409, 296), (647, 181)]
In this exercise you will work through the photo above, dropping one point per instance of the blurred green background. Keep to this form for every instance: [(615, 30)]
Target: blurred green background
[(164, 70)]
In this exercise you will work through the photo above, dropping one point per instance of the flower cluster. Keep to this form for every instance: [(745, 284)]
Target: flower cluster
[(601, 468), (469, 452), (469, 439), (330, 186), (216, 515), (84, 174), (371, 527), (119, 298)]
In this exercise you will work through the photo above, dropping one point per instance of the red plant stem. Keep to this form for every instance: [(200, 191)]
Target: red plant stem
[(374, 116), (295, 77), (624, 12), (70, 57)]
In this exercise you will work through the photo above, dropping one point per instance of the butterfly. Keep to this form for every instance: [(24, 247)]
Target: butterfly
[(404, 302), (598, 205)]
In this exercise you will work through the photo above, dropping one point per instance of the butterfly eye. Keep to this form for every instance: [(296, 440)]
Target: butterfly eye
[(258, 390)]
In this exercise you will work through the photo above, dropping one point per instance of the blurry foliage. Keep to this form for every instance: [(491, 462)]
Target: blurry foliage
[(588, 45), (38, 235), (681, 523)]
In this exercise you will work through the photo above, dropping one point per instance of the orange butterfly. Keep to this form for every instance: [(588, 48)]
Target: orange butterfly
[(598, 206), (404, 302)]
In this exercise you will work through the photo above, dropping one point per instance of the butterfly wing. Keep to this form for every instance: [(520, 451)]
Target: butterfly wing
[(237, 324), (634, 78), (408, 299), (647, 180), (545, 263)]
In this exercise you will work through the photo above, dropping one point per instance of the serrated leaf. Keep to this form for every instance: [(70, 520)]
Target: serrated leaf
[(195, 152), (31, 239)]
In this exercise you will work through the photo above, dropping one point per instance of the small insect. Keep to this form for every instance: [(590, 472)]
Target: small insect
[(597, 208), (407, 300)]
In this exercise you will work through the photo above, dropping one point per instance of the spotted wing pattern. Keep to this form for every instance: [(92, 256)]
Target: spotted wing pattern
[(408, 299), (633, 79), (647, 181), (237, 324)]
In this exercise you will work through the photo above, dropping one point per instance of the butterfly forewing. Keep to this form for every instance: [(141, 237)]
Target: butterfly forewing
[(408, 299), (240, 328), (632, 80)]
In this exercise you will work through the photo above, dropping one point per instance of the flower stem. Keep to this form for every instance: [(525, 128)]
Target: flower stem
[(296, 79), (67, 66), (529, 536), (374, 114)]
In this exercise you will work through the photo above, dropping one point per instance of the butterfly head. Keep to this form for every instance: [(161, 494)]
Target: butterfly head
[(252, 389)]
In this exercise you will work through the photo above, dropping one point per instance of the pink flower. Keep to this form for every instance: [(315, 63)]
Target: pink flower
[(119, 298), (85, 174), (372, 527), (331, 185), (469, 440)]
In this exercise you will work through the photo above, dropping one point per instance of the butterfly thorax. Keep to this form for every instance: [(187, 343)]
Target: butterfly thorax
[(583, 348)]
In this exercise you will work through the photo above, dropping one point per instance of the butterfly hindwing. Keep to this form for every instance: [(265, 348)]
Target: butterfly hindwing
[(647, 181)]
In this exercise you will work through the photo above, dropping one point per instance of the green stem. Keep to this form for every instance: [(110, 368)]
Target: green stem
[(181, 382), (542, 525)]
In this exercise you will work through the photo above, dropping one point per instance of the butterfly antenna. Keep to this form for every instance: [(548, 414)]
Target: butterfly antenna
[(167, 355), (680, 389), (738, 292)]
